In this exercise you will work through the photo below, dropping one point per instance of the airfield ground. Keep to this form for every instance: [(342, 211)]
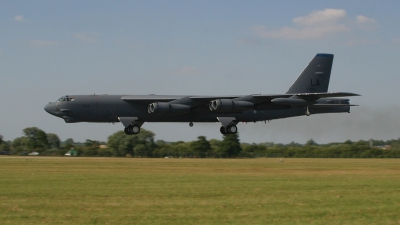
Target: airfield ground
[(62, 190)]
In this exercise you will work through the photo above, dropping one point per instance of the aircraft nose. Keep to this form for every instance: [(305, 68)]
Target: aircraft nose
[(50, 108)]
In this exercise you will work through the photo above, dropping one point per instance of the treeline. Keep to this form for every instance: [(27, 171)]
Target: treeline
[(143, 145)]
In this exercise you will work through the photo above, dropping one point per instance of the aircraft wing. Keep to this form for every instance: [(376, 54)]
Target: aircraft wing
[(310, 95), (270, 97), (147, 99), (151, 98), (327, 94), (168, 98), (210, 98)]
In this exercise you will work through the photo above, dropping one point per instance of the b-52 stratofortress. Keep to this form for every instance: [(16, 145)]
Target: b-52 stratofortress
[(307, 95)]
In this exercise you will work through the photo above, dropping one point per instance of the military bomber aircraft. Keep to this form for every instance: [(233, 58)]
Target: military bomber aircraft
[(307, 95)]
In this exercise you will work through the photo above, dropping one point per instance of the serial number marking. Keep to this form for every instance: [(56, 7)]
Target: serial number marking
[(311, 89)]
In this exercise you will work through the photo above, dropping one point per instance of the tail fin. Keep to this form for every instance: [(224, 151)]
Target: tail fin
[(315, 77)]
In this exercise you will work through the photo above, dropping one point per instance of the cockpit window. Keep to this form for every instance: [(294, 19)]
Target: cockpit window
[(65, 99)]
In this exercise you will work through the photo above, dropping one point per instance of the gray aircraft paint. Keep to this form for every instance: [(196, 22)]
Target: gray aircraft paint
[(315, 77), (307, 95)]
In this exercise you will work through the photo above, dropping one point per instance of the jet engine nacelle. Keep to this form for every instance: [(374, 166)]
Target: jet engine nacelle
[(167, 108), (228, 105)]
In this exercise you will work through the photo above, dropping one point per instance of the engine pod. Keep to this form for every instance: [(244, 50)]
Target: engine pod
[(228, 105), (167, 108)]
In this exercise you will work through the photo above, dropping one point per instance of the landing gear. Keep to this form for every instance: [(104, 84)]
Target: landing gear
[(191, 124), (228, 125), (222, 130), (232, 129), (132, 129), (308, 112)]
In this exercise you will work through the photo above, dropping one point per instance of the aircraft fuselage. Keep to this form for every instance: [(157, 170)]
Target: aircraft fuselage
[(108, 108)]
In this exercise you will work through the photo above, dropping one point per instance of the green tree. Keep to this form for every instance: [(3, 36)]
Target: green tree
[(4, 146), (37, 139), (348, 142), (201, 147), (230, 146), (91, 143), (163, 149), (104, 152), (115, 142), (89, 148), (311, 142), (19, 145), (215, 144), (140, 150), (68, 144), (122, 144), (53, 140), (182, 149), (252, 150)]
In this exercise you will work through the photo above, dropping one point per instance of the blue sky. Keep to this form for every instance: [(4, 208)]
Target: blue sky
[(54, 48)]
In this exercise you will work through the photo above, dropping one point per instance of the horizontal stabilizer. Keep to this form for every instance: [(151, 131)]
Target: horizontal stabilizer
[(330, 105)]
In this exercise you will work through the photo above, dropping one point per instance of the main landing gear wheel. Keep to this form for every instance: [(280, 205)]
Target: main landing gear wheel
[(229, 130), (222, 130), (132, 129), (232, 129)]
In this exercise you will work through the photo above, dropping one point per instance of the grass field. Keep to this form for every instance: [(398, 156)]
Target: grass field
[(61, 190)]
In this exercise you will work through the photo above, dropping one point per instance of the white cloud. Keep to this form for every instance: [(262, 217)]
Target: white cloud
[(366, 23), (321, 18), (186, 71), (86, 37), (299, 33), (317, 25), (364, 19), (19, 18)]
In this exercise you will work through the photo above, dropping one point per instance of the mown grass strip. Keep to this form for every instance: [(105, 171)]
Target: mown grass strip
[(61, 190)]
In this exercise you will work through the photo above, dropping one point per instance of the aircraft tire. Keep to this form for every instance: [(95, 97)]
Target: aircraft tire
[(222, 130), (135, 129), (126, 130), (232, 129)]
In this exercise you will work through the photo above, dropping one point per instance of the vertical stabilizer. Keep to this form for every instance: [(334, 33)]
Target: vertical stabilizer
[(315, 77)]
